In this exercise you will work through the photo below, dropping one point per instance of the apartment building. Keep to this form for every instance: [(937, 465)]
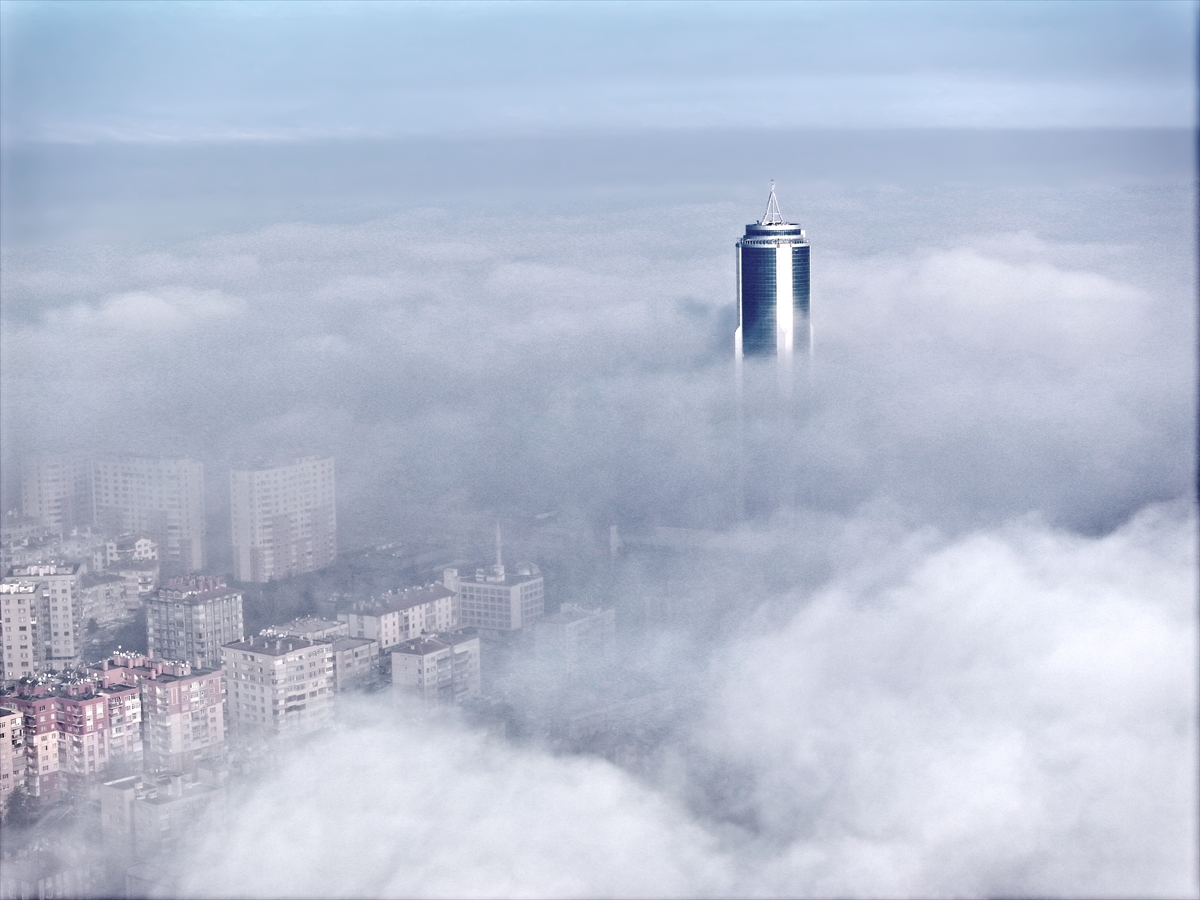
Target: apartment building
[(355, 662), (498, 599), (76, 730), (190, 619), (279, 684), (182, 708), (61, 612), (400, 616), (56, 490), (438, 669), (12, 753), (22, 653), (160, 498), (284, 519)]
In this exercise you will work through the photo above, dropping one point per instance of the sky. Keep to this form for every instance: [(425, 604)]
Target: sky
[(483, 255)]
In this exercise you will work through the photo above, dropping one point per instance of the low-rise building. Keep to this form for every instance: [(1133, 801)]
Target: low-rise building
[(498, 599), (438, 669), (355, 662), (279, 684), (103, 598), (141, 576), (399, 616)]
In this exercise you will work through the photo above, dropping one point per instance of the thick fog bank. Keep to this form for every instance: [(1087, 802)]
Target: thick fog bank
[(1011, 712), (502, 361)]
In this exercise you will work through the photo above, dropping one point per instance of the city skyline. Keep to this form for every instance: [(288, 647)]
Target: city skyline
[(923, 625)]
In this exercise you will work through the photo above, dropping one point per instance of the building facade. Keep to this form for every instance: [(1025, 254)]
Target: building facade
[(191, 619), (103, 599), (284, 519), (76, 730), (279, 684), (355, 662), (439, 669), (182, 708), (12, 754), (56, 490), (402, 615), (61, 612), (22, 653), (143, 817), (497, 599), (773, 287), (158, 497)]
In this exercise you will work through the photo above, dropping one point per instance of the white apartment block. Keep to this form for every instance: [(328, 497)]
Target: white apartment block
[(496, 599), (193, 620), (12, 753), (438, 669), (61, 613), (284, 519), (21, 648), (402, 615), (56, 490), (160, 498), (355, 662), (279, 685)]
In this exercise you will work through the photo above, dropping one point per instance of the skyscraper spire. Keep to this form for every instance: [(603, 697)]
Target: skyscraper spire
[(772, 216)]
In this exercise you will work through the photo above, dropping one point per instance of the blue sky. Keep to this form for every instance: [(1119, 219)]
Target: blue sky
[(235, 71)]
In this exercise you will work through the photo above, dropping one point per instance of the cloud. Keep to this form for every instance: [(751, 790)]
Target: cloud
[(1011, 712), (139, 313)]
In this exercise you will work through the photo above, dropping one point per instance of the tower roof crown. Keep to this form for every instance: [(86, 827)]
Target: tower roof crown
[(772, 216)]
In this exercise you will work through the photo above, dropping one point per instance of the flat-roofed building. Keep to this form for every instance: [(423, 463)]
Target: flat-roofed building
[(279, 684), (439, 669), (56, 490), (313, 628), (284, 519), (191, 619), (497, 599), (355, 662), (183, 708), (400, 616), (76, 730), (103, 598), (158, 497), (22, 653), (141, 577), (12, 753), (61, 613), (145, 816)]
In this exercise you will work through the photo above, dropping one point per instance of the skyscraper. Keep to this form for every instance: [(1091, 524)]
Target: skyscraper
[(284, 519), (772, 278)]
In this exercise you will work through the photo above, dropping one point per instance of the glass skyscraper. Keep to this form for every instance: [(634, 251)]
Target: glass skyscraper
[(772, 270)]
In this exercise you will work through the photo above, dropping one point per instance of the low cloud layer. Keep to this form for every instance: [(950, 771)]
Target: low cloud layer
[(1006, 713), (939, 638)]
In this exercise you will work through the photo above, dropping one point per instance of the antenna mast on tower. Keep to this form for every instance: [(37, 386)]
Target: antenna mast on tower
[(772, 216)]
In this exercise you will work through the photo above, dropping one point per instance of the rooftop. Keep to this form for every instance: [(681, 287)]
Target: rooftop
[(274, 646)]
